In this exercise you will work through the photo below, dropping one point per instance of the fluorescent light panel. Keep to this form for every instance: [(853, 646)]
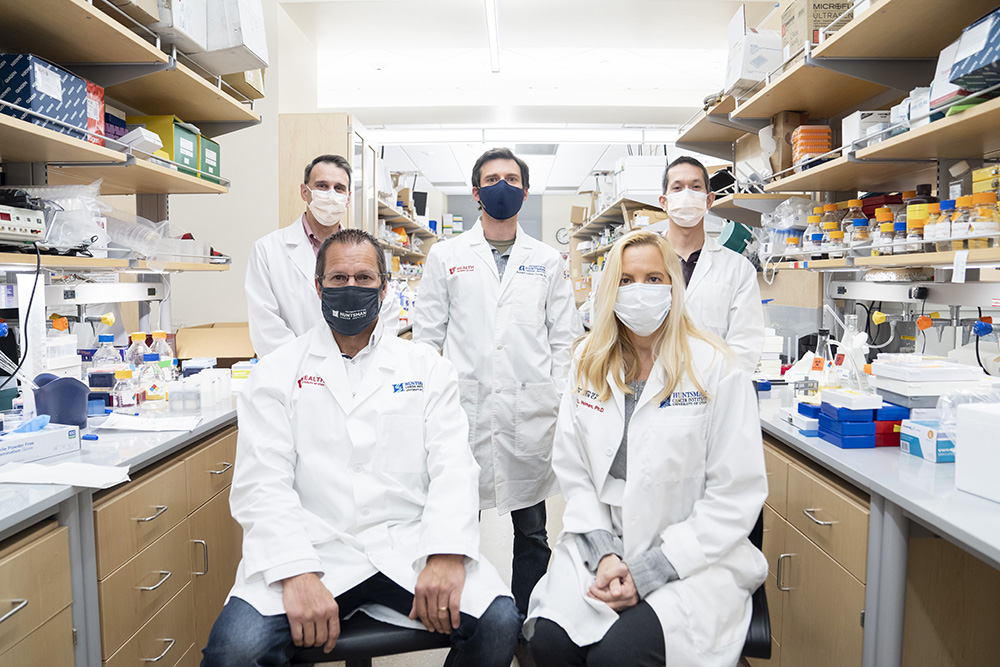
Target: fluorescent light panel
[(493, 34)]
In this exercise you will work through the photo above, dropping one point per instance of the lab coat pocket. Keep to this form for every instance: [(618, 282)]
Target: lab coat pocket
[(468, 394), (715, 311), (535, 407), (528, 302), (400, 444), (681, 446)]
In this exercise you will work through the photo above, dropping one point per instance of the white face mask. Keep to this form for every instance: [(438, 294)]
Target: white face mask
[(642, 307), (687, 207), (327, 206)]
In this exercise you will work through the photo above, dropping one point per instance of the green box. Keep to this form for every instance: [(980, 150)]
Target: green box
[(211, 158), (179, 143)]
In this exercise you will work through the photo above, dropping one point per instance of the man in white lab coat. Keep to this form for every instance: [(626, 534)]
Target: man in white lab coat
[(499, 304), (281, 301), (722, 292), (355, 487)]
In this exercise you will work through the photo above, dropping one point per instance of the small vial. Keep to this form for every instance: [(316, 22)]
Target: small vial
[(123, 393), (899, 238), (942, 233), (960, 222), (860, 240)]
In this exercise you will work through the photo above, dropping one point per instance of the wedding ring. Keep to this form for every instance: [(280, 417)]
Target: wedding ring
[(442, 608)]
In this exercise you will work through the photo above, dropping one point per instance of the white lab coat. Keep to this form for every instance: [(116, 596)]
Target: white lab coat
[(281, 293), (510, 342), (695, 486), (350, 485), (723, 297)]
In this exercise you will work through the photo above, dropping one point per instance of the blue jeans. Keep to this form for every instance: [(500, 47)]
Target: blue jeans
[(242, 637), (531, 553)]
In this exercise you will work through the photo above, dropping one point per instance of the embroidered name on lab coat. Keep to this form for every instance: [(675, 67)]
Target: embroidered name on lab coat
[(416, 385), (684, 398), (311, 379), (531, 269), (468, 268)]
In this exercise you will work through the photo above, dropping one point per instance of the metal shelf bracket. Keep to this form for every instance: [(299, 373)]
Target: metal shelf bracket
[(111, 74), (215, 128)]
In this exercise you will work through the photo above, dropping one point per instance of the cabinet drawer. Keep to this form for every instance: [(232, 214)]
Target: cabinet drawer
[(51, 644), (774, 538), (209, 468), (134, 516), (777, 480), (166, 636), (125, 606), (34, 582), (830, 517)]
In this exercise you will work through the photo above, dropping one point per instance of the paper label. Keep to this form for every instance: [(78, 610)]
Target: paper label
[(211, 158), (93, 108), (48, 82), (186, 146), (818, 363), (974, 39), (839, 361), (958, 268), (996, 303)]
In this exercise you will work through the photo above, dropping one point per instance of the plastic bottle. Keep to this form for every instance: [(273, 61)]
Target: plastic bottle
[(836, 244), (161, 347), (899, 238), (152, 390), (883, 214), (816, 246), (106, 356), (123, 398), (860, 240), (828, 227), (960, 222), (915, 234), (137, 350), (985, 223), (793, 250), (830, 214), (942, 232), (853, 213), (812, 227), (882, 246), (931, 226)]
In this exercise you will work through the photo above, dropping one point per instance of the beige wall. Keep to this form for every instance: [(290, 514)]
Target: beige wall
[(555, 215)]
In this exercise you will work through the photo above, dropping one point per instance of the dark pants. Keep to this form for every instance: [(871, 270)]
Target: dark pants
[(242, 637), (531, 553), (636, 640)]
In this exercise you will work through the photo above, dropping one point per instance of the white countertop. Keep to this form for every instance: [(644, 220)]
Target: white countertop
[(22, 504), (923, 489)]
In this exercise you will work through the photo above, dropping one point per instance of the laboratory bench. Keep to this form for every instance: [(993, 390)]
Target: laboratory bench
[(128, 574), (852, 542)]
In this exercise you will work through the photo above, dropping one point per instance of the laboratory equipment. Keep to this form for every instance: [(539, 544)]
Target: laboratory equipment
[(853, 213), (62, 398), (152, 386), (984, 225), (167, 359), (822, 369), (960, 222), (942, 231), (136, 352), (21, 225), (107, 354), (860, 240), (123, 398)]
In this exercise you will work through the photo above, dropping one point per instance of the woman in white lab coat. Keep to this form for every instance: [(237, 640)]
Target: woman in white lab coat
[(659, 457)]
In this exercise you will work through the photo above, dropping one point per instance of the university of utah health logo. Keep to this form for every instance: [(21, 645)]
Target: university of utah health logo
[(311, 379)]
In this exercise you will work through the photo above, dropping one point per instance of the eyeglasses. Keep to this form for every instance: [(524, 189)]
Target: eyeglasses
[(363, 279)]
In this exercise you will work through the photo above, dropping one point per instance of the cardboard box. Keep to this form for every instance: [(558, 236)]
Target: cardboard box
[(180, 141), (145, 12), (50, 91), (236, 41), (578, 215), (250, 83), (784, 125), (210, 159), (855, 127), (53, 440), (639, 174), (977, 61), (977, 464), (748, 158), (753, 54), (942, 89), (923, 439), (184, 23), (404, 197), (803, 19), (647, 216), (95, 113), (920, 108), (228, 342)]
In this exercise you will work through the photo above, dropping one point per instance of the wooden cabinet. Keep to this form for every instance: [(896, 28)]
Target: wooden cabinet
[(35, 598), (167, 549), (816, 544)]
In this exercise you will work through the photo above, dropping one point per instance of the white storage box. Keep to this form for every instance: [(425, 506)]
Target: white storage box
[(184, 23), (236, 41), (143, 11), (977, 455), (855, 126), (753, 54), (924, 439), (52, 440)]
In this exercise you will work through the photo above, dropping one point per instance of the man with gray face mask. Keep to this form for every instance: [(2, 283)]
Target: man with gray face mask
[(280, 302), (722, 291)]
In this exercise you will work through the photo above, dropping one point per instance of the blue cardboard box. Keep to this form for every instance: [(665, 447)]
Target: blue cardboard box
[(810, 410), (50, 91), (848, 441), (890, 412), (977, 61), (846, 414), (846, 428)]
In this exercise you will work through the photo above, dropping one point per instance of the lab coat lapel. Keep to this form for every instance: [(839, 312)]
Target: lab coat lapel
[(300, 250), (518, 254), (602, 463), (482, 250), (704, 264), (378, 372), (654, 385), (331, 366)]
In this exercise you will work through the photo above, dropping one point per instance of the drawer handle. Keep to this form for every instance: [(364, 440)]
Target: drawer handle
[(164, 574), (170, 645), (778, 575), (226, 465), (160, 509), (809, 514), (19, 605), (204, 545)]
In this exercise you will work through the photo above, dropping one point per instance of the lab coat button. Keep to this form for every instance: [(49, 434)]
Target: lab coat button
[(364, 511), (496, 432), (499, 347), (497, 390), (610, 452), (357, 468)]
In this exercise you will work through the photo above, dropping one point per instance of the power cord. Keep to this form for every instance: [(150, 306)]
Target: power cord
[(27, 316)]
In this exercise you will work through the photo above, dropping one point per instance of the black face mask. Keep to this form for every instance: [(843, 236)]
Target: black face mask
[(351, 309)]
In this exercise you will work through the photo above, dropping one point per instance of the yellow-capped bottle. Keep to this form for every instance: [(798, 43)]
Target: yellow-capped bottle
[(960, 222), (984, 226), (853, 213)]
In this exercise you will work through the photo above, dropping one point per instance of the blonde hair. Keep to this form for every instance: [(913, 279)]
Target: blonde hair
[(608, 349)]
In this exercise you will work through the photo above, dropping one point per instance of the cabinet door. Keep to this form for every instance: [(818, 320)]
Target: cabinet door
[(821, 619), (51, 644), (216, 547), (777, 479), (34, 583)]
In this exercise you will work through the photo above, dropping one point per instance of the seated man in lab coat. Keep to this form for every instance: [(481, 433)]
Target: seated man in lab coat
[(722, 292), (356, 488)]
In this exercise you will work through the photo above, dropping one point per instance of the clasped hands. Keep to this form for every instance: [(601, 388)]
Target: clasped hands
[(613, 584)]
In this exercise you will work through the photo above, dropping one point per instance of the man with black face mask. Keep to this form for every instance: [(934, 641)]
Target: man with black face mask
[(355, 486), (499, 304)]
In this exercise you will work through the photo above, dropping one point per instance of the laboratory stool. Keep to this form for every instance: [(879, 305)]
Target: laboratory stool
[(363, 638), (758, 641)]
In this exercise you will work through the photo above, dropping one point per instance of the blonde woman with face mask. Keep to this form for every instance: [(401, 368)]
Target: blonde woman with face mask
[(658, 454)]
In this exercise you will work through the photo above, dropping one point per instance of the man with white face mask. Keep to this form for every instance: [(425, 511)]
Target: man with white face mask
[(722, 291), (280, 302)]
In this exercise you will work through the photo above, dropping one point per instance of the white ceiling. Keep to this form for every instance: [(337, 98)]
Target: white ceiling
[(585, 75)]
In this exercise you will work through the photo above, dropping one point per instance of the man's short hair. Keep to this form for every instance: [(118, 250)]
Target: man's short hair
[(499, 154), (684, 159), (351, 237), (335, 160)]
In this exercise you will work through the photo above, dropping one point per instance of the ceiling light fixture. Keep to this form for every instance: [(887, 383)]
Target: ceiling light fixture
[(493, 33)]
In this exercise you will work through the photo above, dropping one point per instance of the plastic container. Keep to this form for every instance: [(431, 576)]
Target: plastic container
[(985, 223), (836, 244), (853, 213), (882, 243), (107, 354), (830, 214), (828, 227), (134, 236), (152, 389), (183, 396), (137, 350), (931, 226), (942, 231), (860, 240), (64, 399), (960, 222), (899, 238), (812, 227), (162, 348), (915, 234), (123, 398)]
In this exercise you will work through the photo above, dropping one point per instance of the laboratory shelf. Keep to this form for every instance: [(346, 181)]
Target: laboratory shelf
[(21, 141), (939, 259), (140, 177), (841, 174), (970, 134), (392, 216), (844, 264), (402, 251), (711, 131), (177, 267), (21, 261), (903, 29), (747, 208), (74, 32), (594, 254), (617, 213)]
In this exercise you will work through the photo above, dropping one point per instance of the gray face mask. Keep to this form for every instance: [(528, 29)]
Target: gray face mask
[(351, 309)]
